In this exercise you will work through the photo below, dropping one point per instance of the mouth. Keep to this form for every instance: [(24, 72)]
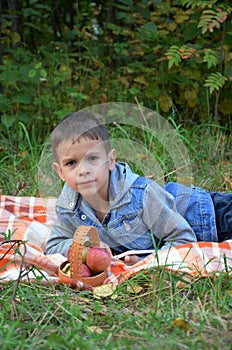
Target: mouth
[(86, 183)]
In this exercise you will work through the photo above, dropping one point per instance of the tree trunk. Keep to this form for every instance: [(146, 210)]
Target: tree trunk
[(111, 19), (13, 7)]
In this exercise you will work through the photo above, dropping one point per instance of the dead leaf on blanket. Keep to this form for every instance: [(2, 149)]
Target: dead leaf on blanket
[(181, 324), (106, 290), (134, 289)]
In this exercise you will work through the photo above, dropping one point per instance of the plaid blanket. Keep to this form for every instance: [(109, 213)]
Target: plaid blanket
[(25, 223)]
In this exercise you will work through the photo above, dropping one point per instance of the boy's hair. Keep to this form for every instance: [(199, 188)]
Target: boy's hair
[(78, 126)]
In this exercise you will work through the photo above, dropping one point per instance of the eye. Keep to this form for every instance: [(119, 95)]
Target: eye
[(92, 158), (71, 163)]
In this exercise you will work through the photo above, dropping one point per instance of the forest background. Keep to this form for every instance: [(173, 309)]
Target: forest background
[(58, 57), (171, 56)]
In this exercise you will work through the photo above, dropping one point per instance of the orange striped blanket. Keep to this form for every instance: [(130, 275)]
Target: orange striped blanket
[(25, 223)]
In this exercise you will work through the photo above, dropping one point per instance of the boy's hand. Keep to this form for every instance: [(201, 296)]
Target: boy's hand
[(131, 259), (128, 259)]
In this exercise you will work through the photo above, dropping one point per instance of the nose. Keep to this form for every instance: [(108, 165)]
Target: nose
[(82, 168)]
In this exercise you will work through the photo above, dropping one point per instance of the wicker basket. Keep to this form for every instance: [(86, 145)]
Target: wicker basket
[(76, 258)]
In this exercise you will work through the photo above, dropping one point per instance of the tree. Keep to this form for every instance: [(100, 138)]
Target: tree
[(171, 54)]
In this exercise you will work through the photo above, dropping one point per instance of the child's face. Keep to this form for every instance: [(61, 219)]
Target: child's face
[(85, 167)]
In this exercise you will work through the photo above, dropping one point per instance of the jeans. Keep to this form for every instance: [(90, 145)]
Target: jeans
[(223, 213)]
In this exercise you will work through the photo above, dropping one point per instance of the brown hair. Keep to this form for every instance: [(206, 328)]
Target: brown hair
[(77, 126)]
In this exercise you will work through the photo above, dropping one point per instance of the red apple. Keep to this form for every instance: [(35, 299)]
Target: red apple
[(69, 255), (85, 271), (84, 253), (98, 259)]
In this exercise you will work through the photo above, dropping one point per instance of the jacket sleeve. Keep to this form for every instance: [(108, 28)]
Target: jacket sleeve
[(60, 238), (161, 216)]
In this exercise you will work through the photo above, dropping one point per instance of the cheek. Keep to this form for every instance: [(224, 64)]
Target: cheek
[(69, 175), (103, 168), (101, 173)]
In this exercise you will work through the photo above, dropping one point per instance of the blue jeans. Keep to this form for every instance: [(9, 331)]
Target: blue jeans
[(223, 213)]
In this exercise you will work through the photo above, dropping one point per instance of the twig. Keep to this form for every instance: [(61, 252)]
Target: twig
[(165, 175)]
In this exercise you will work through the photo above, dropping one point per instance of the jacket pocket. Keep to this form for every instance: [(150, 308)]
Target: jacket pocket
[(131, 233)]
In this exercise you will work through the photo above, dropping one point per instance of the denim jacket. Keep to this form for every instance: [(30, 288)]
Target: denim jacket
[(142, 215)]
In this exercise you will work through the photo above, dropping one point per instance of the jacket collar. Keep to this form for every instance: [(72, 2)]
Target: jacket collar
[(68, 198), (121, 181)]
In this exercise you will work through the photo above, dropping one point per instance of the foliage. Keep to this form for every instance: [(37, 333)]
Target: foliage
[(174, 56), (215, 81), (168, 54)]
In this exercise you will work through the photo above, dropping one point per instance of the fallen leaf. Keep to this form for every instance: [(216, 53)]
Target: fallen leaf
[(135, 289), (228, 181), (181, 324), (184, 283), (104, 291), (95, 329), (84, 301)]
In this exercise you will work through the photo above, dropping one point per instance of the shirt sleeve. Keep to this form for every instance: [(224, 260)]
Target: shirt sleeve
[(161, 216), (60, 238)]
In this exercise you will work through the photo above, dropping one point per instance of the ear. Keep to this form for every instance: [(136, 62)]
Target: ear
[(112, 159), (58, 170)]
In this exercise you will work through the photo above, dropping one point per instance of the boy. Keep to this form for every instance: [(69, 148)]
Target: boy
[(130, 212)]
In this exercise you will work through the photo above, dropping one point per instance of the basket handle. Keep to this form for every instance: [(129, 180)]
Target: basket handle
[(76, 249)]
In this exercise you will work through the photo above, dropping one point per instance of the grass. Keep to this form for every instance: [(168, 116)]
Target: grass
[(204, 157), (212, 160), (20, 154), (208, 162), (165, 314)]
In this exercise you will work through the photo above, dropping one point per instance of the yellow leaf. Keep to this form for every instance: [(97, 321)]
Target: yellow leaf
[(94, 83), (16, 38), (22, 154), (104, 291), (181, 16), (138, 53), (135, 289), (98, 63), (172, 26), (140, 80), (138, 50), (83, 300), (109, 39), (181, 324), (164, 32), (124, 80), (95, 329), (228, 181), (190, 96), (165, 103), (180, 19)]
